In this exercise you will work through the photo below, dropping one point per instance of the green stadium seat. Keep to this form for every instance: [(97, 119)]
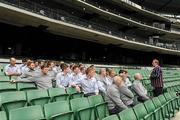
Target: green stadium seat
[(101, 109), (151, 109), (176, 99), (12, 100), (27, 113), (73, 93), (38, 97), (166, 106), (26, 86), (3, 115), (58, 94), (58, 111), (7, 86), (172, 107), (141, 112), (127, 114), (112, 117), (159, 108), (82, 109), (4, 78)]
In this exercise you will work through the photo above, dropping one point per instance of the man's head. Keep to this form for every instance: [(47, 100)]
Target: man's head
[(112, 73), (65, 68), (31, 65), (76, 69), (137, 76), (123, 74), (102, 72), (90, 72), (12, 61), (155, 63), (44, 69), (118, 80)]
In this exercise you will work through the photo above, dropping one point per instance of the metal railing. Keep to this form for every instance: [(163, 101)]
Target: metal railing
[(58, 15)]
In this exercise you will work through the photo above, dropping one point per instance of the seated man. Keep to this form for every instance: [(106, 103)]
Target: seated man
[(113, 96), (124, 75), (12, 69), (63, 78), (30, 71), (88, 83), (41, 79), (139, 88), (126, 95)]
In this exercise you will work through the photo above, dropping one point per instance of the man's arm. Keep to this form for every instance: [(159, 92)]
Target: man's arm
[(115, 97), (139, 91), (124, 90)]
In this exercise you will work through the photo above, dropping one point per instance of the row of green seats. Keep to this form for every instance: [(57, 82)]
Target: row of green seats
[(91, 108), (17, 99), (159, 108)]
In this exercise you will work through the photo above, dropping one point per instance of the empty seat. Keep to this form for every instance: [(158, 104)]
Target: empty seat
[(150, 109), (26, 86), (7, 86), (159, 109), (112, 117), (38, 97), (141, 112), (27, 113), (3, 115), (73, 93), (166, 106), (13, 100), (127, 114), (101, 109), (58, 111), (58, 94), (82, 109), (4, 78)]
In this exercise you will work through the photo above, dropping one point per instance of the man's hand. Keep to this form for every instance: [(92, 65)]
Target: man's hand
[(12, 81)]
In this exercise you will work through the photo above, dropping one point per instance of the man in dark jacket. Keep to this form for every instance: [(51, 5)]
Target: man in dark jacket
[(156, 78)]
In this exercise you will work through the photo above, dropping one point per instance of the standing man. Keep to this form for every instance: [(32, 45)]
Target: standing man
[(156, 78)]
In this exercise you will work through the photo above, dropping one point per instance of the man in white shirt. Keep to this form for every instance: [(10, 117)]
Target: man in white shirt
[(124, 75), (12, 69), (63, 78)]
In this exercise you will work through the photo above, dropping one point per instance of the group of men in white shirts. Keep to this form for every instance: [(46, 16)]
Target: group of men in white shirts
[(83, 79)]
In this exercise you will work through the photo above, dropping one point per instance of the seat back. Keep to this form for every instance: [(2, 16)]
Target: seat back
[(82, 108), (26, 86), (112, 117), (7, 86), (3, 115), (73, 93), (95, 99), (38, 97), (127, 114), (101, 109), (13, 100), (149, 106), (140, 111), (58, 94), (57, 109), (28, 113)]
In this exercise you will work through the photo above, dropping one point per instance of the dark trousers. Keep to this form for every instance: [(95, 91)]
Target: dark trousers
[(115, 110), (89, 94), (157, 91)]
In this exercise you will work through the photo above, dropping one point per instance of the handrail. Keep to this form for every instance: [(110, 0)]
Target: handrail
[(56, 14)]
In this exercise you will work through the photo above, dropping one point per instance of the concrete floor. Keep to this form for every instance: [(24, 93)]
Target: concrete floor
[(177, 116)]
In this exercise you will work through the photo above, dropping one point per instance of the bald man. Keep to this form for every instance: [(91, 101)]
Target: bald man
[(113, 96), (12, 69), (139, 88)]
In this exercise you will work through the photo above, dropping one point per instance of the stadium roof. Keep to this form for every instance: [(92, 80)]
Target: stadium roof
[(165, 6)]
